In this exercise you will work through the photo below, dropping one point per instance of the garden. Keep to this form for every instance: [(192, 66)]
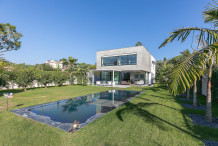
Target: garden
[(155, 117)]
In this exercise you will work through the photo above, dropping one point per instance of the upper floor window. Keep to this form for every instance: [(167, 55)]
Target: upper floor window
[(109, 61), (119, 60)]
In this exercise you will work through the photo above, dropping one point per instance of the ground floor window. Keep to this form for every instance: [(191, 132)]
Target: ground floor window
[(142, 77), (125, 76), (105, 76)]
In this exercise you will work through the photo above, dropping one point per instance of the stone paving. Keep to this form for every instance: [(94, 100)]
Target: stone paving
[(190, 106)]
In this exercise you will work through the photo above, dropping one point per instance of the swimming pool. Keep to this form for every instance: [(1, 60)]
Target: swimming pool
[(84, 109)]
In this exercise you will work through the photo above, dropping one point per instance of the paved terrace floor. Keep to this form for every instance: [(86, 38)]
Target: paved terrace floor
[(123, 86)]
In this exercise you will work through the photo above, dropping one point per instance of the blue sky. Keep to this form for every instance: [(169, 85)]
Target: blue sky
[(54, 29)]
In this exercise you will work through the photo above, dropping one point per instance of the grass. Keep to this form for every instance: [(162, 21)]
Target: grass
[(153, 118)]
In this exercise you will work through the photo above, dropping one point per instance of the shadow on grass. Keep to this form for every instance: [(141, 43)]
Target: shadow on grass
[(205, 132), (158, 103), (16, 90), (28, 89), (138, 109), (10, 91)]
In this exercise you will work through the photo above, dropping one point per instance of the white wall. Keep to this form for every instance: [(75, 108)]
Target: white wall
[(153, 69), (143, 58)]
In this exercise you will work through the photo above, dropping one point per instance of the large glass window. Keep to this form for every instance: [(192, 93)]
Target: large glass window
[(142, 77), (105, 76), (127, 60), (132, 59), (119, 60), (125, 76), (123, 60), (113, 60), (109, 61)]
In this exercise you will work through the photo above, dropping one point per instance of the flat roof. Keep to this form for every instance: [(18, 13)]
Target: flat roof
[(126, 48), (118, 70)]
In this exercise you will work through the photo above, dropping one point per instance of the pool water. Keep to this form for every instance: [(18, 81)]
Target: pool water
[(84, 107)]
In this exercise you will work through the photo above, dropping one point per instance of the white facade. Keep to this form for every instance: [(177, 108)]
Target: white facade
[(55, 64), (133, 65)]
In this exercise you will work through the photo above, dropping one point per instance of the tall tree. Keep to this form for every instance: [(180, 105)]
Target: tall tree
[(59, 77), (190, 69), (25, 77), (44, 77), (9, 38), (138, 43), (4, 78), (44, 67), (71, 65), (83, 68)]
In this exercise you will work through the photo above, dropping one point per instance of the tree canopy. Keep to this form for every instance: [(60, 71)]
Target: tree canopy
[(138, 43), (9, 38)]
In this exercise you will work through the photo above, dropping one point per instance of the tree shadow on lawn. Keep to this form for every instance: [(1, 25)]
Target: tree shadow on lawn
[(163, 97), (196, 131), (10, 91), (3, 101), (17, 90), (28, 89), (158, 103), (205, 132), (137, 109)]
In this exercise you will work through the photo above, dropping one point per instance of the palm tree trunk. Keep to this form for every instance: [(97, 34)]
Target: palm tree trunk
[(208, 99), (195, 94), (70, 75), (188, 95)]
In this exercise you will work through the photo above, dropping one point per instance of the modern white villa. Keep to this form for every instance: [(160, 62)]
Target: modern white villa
[(124, 66)]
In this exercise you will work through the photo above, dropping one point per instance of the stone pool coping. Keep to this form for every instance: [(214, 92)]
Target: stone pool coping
[(24, 112)]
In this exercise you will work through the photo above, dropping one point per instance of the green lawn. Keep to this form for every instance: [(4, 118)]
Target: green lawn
[(153, 118)]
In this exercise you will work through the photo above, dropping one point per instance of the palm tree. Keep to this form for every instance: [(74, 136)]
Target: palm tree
[(82, 70), (187, 94), (185, 73), (70, 64), (195, 93), (185, 54)]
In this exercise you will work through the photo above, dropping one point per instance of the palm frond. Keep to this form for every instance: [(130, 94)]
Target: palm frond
[(211, 14), (184, 74), (206, 35)]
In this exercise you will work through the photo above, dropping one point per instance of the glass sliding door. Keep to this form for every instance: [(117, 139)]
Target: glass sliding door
[(105, 76), (125, 76), (117, 77), (146, 78)]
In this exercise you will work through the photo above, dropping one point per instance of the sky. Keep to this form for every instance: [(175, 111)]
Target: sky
[(55, 29)]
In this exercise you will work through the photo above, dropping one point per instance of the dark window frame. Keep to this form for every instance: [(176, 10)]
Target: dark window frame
[(117, 62)]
